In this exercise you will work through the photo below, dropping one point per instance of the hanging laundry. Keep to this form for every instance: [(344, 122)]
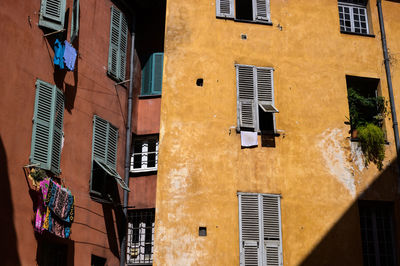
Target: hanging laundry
[(69, 55), (248, 138), (59, 54)]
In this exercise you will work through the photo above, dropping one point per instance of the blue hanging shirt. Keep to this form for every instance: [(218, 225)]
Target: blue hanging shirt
[(59, 54)]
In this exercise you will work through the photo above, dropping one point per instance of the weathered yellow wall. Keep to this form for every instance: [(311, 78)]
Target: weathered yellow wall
[(202, 166)]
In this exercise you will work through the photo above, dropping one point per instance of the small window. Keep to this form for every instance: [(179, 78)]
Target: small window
[(260, 229), (152, 75), (104, 159), (140, 237), (52, 14), (255, 99), (50, 253), (47, 132), (145, 154), (118, 45), (353, 16), (98, 261), (377, 233), (247, 10), (75, 20)]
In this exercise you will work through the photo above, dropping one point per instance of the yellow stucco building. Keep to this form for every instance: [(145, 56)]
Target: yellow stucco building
[(274, 75)]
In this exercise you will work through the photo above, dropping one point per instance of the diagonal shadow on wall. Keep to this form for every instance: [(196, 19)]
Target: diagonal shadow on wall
[(9, 246), (342, 245)]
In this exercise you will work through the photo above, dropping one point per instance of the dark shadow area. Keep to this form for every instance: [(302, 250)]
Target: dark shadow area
[(244, 9), (343, 244), (54, 251), (9, 245)]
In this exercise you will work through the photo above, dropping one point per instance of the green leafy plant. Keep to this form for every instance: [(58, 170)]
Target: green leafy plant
[(372, 140)]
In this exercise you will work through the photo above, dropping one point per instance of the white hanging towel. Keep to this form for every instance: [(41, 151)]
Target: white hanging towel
[(248, 138)]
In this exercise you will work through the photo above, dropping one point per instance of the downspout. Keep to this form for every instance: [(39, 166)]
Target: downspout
[(128, 140), (389, 83)]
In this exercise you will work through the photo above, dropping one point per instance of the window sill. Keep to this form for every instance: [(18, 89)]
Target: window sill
[(149, 96), (141, 170), (358, 140), (359, 34), (248, 21)]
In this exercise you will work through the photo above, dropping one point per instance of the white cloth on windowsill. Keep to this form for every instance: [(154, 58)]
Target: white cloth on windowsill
[(248, 138)]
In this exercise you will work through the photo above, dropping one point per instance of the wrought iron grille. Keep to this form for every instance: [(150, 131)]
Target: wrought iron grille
[(140, 237)]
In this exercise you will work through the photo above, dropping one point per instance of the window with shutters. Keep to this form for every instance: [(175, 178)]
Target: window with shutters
[(47, 132), (255, 98), (152, 75), (377, 233), (140, 237), (75, 20), (260, 230), (145, 154), (353, 16), (52, 14), (246, 10), (104, 159), (118, 45)]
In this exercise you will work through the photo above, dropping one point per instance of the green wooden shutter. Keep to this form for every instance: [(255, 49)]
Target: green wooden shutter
[(112, 145), (100, 136), (225, 8), (158, 59), (47, 126), (246, 103), (118, 45), (52, 13), (75, 20), (261, 10), (147, 77)]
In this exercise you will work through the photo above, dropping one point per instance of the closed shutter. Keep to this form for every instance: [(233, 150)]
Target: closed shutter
[(100, 135), (246, 97), (75, 20), (52, 13), (260, 230), (261, 10), (47, 127), (265, 89), (118, 45), (272, 230), (157, 73), (249, 229), (225, 8)]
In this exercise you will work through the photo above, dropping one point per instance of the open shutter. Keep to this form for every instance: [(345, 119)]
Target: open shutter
[(113, 52), (249, 223), (47, 126), (75, 20), (265, 89), (157, 73), (272, 230), (100, 135), (52, 14), (225, 8), (58, 117), (112, 144), (261, 10), (246, 98)]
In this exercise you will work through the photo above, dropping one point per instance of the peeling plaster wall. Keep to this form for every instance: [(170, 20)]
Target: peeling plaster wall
[(314, 167)]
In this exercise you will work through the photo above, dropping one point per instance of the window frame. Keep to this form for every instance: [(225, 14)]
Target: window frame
[(232, 11), (261, 253), (144, 139), (352, 7), (257, 102), (75, 21)]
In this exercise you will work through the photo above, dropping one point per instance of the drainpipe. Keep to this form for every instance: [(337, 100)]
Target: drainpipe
[(389, 83), (128, 140)]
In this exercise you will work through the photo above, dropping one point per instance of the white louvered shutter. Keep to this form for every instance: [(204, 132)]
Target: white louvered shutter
[(249, 219), (272, 230), (246, 98), (52, 13), (225, 8), (265, 89), (261, 10)]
